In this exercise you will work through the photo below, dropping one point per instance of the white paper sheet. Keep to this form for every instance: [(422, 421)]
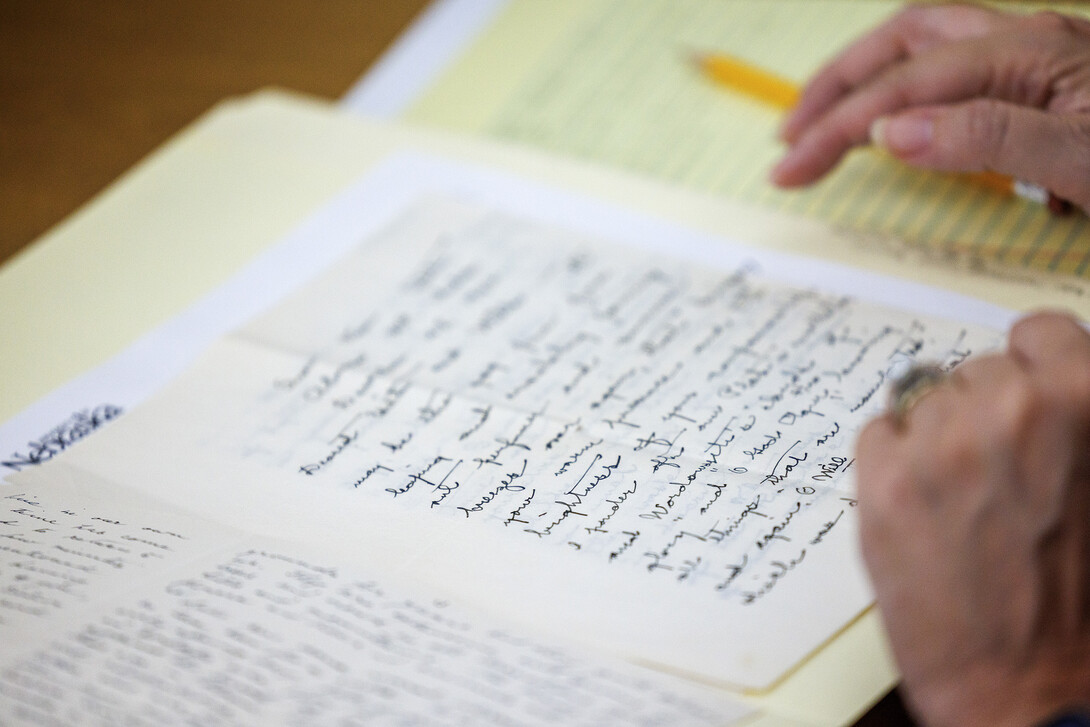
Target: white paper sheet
[(79, 407), (251, 466), (116, 610)]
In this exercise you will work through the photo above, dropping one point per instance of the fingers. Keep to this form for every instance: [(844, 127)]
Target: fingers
[(949, 74), (1025, 403), (906, 34), (936, 98), (1049, 336), (1055, 349), (1048, 149), (981, 401), (973, 520)]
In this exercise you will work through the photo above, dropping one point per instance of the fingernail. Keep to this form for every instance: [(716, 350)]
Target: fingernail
[(902, 135)]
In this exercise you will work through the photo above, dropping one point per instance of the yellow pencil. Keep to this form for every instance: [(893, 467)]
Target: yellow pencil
[(748, 79), (782, 93)]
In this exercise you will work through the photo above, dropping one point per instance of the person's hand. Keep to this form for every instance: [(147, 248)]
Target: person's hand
[(955, 88), (975, 526)]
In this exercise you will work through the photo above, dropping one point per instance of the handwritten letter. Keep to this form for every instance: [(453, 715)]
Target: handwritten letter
[(57, 555), (685, 429), (693, 424), (269, 637)]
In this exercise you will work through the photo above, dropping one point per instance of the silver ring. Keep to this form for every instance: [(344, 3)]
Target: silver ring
[(916, 383)]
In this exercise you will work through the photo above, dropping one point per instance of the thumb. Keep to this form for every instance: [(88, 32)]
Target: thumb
[(1048, 149)]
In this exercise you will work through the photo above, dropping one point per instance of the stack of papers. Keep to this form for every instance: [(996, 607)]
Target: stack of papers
[(367, 421)]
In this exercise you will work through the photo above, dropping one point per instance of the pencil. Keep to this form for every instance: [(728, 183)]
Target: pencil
[(748, 79), (782, 93)]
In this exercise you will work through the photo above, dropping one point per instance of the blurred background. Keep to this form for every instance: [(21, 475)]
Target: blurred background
[(89, 87)]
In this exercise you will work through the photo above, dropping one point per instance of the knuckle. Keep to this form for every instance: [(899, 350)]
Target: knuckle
[(1057, 349), (987, 130), (921, 25), (1046, 335), (913, 17), (1028, 329), (915, 25)]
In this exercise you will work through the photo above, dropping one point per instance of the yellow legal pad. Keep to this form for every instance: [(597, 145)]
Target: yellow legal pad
[(612, 81)]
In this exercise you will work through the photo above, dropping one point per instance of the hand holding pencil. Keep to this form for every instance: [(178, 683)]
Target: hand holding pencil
[(844, 82), (781, 93), (955, 88)]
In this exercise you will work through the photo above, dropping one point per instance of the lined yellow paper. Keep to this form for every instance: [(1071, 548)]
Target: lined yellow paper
[(611, 81)]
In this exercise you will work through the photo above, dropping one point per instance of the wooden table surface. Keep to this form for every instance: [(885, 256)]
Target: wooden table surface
[(89, 87)]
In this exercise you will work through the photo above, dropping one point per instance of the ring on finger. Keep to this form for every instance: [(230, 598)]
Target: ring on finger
[(912, 386)]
